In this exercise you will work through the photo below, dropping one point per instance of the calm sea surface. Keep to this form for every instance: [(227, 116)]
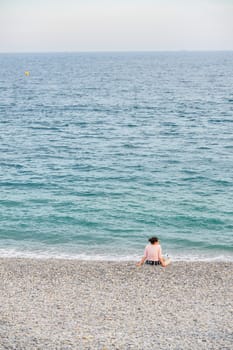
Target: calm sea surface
[(100, 151)]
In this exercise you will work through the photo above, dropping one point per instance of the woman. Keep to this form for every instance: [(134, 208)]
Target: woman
[(153, 254)]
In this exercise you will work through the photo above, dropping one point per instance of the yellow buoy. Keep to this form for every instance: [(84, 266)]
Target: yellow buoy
[(27, 73)]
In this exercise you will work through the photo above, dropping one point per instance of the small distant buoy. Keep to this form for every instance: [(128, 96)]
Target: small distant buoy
[(27, 73)]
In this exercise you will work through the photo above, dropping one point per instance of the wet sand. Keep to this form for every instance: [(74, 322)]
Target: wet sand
[(70, 304)]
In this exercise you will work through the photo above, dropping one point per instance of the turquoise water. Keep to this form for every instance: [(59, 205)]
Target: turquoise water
[(100, 151)]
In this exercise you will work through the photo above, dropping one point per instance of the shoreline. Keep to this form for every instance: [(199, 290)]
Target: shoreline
[(116, 258), (73, 304)]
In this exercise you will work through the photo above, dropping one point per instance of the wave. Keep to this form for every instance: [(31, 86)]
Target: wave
[(52, 254)]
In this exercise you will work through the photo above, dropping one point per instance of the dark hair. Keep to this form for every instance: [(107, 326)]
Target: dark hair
[(152, 240)]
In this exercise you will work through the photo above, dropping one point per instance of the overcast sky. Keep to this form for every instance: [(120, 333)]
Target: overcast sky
[(115, 25)]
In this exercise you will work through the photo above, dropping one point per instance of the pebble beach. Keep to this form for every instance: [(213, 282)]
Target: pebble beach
[(70, 304)]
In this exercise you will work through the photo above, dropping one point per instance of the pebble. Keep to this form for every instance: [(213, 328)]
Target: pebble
[(77, 305)]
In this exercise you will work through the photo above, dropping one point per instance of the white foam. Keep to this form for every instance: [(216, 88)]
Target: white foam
[(14, 253), (52, 254)]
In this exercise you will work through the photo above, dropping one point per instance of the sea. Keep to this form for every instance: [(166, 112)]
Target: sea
[(100, 151)]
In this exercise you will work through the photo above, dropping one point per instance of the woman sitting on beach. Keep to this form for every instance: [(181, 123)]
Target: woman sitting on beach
[(153, 254)]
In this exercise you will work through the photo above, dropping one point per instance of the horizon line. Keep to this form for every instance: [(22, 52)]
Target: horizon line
[(117, 51)]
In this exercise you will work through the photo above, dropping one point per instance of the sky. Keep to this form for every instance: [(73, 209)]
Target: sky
[(115, 25)]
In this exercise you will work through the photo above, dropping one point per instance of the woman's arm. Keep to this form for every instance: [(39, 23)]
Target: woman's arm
[(161, 259), (141, 262), (164, 262), (143, 259)]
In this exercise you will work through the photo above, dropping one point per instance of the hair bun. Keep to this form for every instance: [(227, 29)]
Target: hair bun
[(152, 240)]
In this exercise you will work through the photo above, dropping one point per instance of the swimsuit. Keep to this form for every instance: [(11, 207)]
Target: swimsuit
[(151, 262)]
